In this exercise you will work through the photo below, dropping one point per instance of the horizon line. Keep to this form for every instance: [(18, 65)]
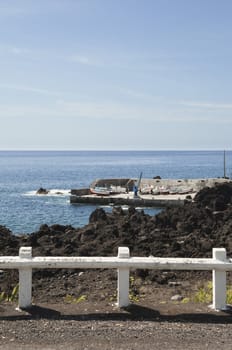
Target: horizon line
[(112, 150)]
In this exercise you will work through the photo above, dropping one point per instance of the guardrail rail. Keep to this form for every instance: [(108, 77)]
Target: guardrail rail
[(219, 264)]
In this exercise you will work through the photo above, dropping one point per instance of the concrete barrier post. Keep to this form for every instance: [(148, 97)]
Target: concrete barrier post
[(219, 281), (25, 279), (123, 279)]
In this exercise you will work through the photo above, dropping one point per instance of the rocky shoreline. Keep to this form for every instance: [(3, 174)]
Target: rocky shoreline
[(190, 231)]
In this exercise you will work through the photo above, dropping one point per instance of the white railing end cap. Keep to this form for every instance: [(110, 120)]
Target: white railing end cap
[(123, 252), (25, 252), (219, 253)]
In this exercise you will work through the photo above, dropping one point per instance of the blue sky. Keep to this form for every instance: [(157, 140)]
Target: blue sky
[(115, 74)]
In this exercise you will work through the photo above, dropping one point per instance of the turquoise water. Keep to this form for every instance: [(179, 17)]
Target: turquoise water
[(23, 172)]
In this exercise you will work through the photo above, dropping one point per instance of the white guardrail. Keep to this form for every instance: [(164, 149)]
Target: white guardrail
[(219, 264)]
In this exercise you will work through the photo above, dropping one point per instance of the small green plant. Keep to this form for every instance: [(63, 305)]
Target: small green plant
[(229, 295), (185, 300), (205, 294), (13, 296), (113, 298), (15, 293), (2, 297), (74, 300), (132, 292), (133, 296)]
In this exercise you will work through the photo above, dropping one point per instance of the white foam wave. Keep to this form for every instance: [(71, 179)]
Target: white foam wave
[(57, 192), (30, 193), (51, 193)]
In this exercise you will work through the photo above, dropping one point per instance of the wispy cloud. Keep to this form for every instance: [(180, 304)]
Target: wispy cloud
[(41, 54), (82, 59), (101, 111), (135, 94), (19, 51), (12, 11), (16, 52), (16, 8), (206, 105), (78, 110), (31, 89)]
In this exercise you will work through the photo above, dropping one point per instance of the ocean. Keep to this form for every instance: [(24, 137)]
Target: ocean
[(24, 172)]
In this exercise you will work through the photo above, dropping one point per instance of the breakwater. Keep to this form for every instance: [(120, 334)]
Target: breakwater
[(122, 200), (156, 192)]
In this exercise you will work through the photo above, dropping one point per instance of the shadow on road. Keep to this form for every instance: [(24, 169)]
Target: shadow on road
[(133, 312)]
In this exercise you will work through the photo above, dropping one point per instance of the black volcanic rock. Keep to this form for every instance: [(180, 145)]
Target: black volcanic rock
[(42, 190), (217, 197), (98, 215), (9, 243), (189, 231)]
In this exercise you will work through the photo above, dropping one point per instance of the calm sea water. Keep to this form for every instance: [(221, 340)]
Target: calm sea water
[(24, 172)]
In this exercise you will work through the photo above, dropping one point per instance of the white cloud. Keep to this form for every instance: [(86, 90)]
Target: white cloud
[(19, 51), (19, 8), (13, 51), (101, 111), (137, 94), (64, 109), (153, 112), (81, 59), (206, 105), (30, 89), (12, 11)]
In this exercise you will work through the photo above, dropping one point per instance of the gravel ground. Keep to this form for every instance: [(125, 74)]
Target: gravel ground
[(100, 325)]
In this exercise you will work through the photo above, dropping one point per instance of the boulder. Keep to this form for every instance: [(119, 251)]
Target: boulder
[(42, 190)]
